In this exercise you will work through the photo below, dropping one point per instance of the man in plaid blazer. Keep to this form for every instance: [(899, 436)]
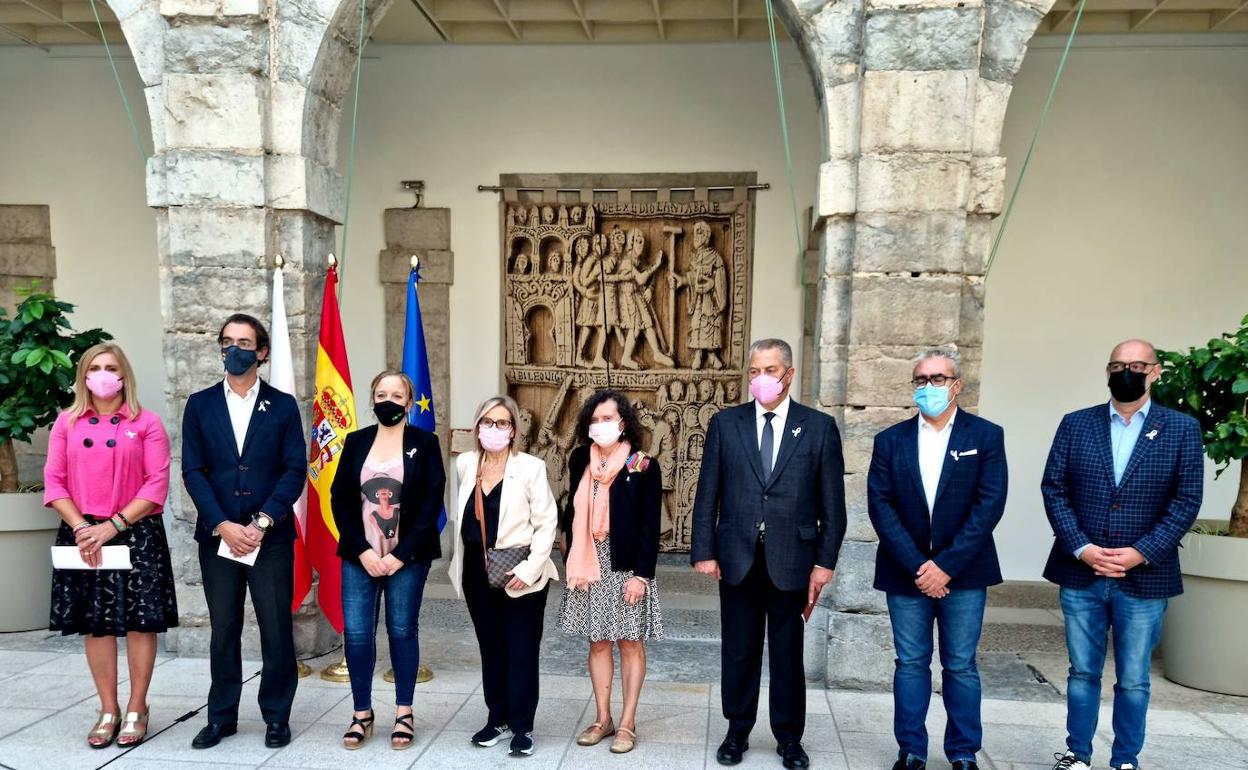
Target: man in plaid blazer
[(1122, 485)]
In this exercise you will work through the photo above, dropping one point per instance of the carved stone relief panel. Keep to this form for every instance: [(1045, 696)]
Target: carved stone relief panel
[(650, 298)]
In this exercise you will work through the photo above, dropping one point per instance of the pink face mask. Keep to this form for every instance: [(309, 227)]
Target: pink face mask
[(765, 389), (104, 384), (494, 439)]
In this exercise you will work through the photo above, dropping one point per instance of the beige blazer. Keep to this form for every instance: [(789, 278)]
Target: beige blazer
[(527, 515)]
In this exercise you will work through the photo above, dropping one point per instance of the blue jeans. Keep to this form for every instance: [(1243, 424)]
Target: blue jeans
[(361, 603), (1090, 613), (959, 618)]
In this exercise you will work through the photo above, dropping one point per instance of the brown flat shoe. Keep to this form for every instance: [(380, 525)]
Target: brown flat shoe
[(133, 729), (104, 731), (625, 740), (595, 733)]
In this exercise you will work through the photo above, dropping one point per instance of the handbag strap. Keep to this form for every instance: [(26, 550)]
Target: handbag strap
[(479, 506)]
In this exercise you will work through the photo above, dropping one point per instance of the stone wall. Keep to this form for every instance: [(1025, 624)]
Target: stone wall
[(914, 96)]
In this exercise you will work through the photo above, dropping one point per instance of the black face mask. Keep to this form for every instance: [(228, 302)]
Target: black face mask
[(389, 413), (1127, 386), (238, 361)]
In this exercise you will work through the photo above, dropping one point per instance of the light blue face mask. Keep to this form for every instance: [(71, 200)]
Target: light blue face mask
[(931, 400)]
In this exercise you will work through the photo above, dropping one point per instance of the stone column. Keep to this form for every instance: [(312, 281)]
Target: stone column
[(244, 131), (26, 255), (914, 96)]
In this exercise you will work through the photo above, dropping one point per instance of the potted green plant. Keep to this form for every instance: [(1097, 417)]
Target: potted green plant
[(39, 352), (1202, 644)]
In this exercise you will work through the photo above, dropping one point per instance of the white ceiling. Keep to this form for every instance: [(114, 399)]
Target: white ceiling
[(51, 22)]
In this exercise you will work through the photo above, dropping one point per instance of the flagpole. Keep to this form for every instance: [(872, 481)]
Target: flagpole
[(423, 672)]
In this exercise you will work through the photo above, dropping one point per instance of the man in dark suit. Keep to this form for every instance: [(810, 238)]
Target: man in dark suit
[(935, 492), (244, 464), (768, 522), (1122, 485)]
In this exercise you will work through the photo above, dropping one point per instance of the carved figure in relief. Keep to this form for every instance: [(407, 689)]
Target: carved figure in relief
[(511, 217), (524, 424), (589, 217), (548, 215), (637, 318), (554, 263), (707, 283), (534, 219), (662, 448), (521, 265), (578, 215), (563, 216), (589, 310)]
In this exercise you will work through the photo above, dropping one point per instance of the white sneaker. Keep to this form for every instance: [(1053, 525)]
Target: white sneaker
[(1069, 761)]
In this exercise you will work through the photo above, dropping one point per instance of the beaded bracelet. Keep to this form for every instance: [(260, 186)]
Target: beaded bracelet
[(121, 527), (80, 525)]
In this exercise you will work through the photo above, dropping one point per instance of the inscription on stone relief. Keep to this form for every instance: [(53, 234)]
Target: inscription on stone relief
[(649, 298)]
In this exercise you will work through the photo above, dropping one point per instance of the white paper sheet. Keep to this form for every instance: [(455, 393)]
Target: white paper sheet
[(68, 557), (250, 559)]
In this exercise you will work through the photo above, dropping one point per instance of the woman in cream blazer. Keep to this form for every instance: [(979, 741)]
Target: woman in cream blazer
[(519, 510)]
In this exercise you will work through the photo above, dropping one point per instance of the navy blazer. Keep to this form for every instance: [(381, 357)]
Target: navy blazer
[(802, 502), (267, 476), (420, 498), (970, 500), (636, 514), (1151, 510)]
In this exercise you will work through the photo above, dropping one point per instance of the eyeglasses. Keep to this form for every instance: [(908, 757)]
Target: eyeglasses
[(240, 344), (486, 422), (1113, 367), (939, 380)]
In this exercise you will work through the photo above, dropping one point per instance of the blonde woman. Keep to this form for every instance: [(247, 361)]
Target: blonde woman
[(504, 510), (107, 475)]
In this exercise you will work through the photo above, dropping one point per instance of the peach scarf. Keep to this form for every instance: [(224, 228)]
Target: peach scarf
[(592, 518)]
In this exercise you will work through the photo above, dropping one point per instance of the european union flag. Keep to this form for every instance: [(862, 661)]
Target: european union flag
[(416, 366)]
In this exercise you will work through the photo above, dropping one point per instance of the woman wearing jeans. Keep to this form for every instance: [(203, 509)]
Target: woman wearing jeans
[(386, 498)]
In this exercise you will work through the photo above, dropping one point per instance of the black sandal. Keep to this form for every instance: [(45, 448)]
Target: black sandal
[(400, 741), (354, 739)]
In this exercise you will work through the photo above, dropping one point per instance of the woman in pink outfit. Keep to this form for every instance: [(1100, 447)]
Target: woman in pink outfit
[(107, 475)]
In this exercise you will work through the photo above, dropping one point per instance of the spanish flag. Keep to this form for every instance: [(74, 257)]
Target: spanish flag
[(333, 417)]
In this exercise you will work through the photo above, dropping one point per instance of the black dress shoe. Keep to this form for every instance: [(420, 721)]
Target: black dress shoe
[(212, 734), (794, 755), (965, 764), (732, 749), (276, 734), (910, 763)]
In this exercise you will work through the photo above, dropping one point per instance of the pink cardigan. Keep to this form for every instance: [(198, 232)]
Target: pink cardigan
[(101, 478)]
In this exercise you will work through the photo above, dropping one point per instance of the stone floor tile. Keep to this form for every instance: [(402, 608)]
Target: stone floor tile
[(557, 718), (45, 691), (1032, 744), (16, 719), (649, 754), (247, 747), (1013, 712), (816, 699), (310, 704), (130, 762), (15, 662), (1163, 722), (821, 735), (672, 693), (1234, 725), (861, 712), (1166, 752), (670, 724)]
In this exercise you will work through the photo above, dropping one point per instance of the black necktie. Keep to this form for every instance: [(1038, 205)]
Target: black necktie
[(767, 445)]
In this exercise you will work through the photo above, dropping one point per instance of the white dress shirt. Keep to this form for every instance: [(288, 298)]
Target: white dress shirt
[(933, 445), (240, 408), (777, 426)]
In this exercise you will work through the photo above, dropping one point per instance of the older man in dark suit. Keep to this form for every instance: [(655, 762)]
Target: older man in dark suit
[(935, 492), (1122, 485), (768, 522)]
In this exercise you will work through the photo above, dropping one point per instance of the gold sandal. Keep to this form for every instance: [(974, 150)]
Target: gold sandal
[(595, 733), (104, 731), (133, 729), (625, 740)]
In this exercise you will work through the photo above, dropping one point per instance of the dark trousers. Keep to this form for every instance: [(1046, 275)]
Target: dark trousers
[(746, 610), (959, 618), (509, 635), (361, 603), (271, 582)]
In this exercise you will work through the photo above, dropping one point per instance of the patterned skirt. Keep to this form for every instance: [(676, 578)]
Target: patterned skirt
[(115, 602), (600, 613)]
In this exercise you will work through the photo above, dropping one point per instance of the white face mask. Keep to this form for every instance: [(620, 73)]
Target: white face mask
[(605, 434)]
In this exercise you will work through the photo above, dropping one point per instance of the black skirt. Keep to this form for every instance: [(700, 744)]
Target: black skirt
[(116, 602)]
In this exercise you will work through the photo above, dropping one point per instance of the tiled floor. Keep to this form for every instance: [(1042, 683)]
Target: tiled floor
[(48, 704)]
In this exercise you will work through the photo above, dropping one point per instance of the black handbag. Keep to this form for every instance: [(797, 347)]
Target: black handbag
[(498, 561)]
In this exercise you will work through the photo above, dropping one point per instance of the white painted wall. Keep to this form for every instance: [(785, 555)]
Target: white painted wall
[(1130, 223)]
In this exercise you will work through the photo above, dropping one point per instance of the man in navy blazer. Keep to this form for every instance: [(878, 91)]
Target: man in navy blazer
[(244, 463), (768, 522), (935, 492), (1122, 485)]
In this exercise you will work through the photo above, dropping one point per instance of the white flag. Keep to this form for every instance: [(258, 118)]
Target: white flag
[(282, 370)]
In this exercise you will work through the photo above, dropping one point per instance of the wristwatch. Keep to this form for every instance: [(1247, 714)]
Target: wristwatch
[(262, 522)]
